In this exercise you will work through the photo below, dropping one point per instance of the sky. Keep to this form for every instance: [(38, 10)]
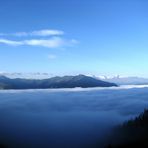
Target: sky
[(68, 37)]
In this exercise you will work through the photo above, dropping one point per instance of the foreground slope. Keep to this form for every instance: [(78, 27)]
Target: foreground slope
[(132, 134)]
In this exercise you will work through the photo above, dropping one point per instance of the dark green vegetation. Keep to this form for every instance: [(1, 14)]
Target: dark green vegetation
[(132, 134), (55, 82)]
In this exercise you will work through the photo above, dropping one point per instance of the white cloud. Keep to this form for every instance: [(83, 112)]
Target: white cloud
[(47, 32), (11, 42), (52, 38), (53, 42), (52, 56), (50, 43), (44, 32)]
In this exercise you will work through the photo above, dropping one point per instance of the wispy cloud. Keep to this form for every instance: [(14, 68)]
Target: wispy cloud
[(43, 32), (47, 32), (49, 38), (52, 56), (11, 42), (53, 42)]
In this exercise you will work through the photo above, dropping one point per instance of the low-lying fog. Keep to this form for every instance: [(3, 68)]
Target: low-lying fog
[(66, 118)]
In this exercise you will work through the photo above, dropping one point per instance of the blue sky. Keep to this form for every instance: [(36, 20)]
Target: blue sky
[(100, 37)]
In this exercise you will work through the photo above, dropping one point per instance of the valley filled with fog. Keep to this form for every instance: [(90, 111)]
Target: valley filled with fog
[(75, 118)]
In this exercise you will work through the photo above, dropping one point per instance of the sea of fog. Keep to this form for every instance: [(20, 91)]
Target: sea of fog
[(66, 118)]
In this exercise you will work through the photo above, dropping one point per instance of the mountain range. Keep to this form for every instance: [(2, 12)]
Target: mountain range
[(119, 80), (54, 82)]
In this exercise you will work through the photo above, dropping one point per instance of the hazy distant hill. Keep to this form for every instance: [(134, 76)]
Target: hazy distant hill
[(55, 82), (126, 80)]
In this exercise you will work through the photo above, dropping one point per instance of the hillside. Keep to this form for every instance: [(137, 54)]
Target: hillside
[(132, 134)]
